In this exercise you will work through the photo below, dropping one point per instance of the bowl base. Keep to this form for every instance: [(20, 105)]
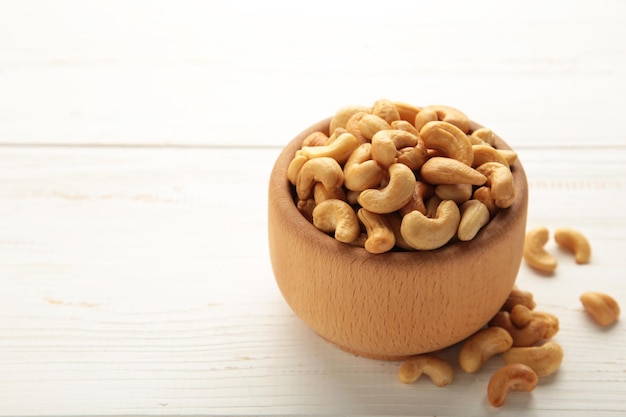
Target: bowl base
[(368, 355)]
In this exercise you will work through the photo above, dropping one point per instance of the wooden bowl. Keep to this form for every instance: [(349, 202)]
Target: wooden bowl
[(396, 304)]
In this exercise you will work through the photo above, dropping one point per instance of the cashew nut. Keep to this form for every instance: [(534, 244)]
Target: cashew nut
[(404, 125), (448, 139), (422, 192), (337, 216), (446, 114), (394, 195), (413, 156), (500, 180), (538, 328), (519, 297), (474, 215), (487, 153), (602, 307), (459, 193), (316, 138), (385, 145), (544, 359), (407, 111), (380, 236), (442, 170), (424, 116), (321, 193), (340, 119), (360, 171), (481, 136), (295, 165), (352, 126), (509, 155), (386, 110), (424, 233), (481, 346), (534, 252), (325, 170), (370, 124), (576, 242), (439, 371), (339, 149), (512, 377), (521, 316)]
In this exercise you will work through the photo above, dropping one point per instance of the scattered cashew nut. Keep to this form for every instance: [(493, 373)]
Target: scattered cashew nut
[(575, 241), (439, 371), (534, 252), (544, 359), (481, 346), (512, 377), (602, 307)]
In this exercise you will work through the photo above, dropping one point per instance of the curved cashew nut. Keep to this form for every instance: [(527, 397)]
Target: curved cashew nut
[(340, 119), (575, 241), (406, 111), (385, 145), (337, 216), (404, 125), (521, 316), (442, 170), (393, 196), (459, 193), (421, 193), (481, 136), (380, 236), (519, 297), (369, 124), (500, 180), (360, 171), (602, 307), (424, 116), (449, 115), (448, 139), (315, 139), (478, 348), (352, 126), (474, 215), (544, 359), (325, 170), (321, 193), (439, 371), (413, 156), (339, 149), (423, 233), (534, 331), (386, 110), (295, 166), (535, 254), (512, 377), (487, 153), (483, 194)]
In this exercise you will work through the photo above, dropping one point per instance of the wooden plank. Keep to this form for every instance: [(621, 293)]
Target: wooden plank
[(137, 282)]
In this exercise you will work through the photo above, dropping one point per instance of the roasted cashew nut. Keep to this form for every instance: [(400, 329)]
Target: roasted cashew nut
[(369, 124), (295, 165), (321, 193), (602, 307), (449, 115), (394, 195), (386, 110), (385, 145), (474, 215), (406, 111), (339, 149), (442, 170), (534, 252), (534, 331), (360, 171), (325, 170), (478, 348), (483, 194), (544, 359), (352, 126), (482, 135), (439, 371), (421, 193), (521, 317), (404, 125), (424, 233), (459, 193), (500, 180), (340, 119), (449, 140), (574, 241), (380, 236), (519, 297), (512, 377), (337, 216), (413, 156), (487, 153)]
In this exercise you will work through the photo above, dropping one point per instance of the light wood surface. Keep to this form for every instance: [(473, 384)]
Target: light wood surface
[(136, 144)]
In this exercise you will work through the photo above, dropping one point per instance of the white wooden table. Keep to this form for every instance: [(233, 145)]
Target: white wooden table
[(136, 141)]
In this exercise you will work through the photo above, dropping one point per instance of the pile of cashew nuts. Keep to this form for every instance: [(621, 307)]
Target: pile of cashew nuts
[(519, 333), (395, 176)]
